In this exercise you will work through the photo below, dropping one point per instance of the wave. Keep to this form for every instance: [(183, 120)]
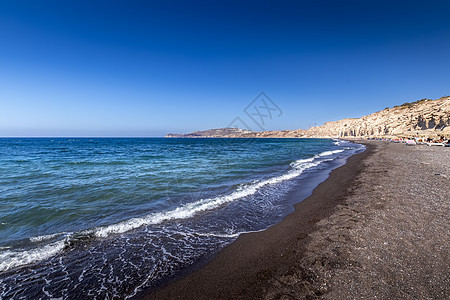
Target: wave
[(37, 239), (191, 209), (328, 153), (10, 259)]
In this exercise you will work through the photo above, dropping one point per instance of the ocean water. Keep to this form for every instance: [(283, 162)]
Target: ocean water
[(111, 218)]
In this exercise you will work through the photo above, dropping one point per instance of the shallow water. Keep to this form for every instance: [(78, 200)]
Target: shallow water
[(108, 218)]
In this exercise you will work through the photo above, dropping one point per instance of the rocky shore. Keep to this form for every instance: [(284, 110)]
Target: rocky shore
[(377, 228), (422, 118)]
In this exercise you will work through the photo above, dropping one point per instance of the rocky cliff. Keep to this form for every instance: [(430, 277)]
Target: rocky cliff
[(425, 118)]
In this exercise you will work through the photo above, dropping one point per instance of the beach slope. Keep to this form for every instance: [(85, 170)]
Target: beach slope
[(376, 228)]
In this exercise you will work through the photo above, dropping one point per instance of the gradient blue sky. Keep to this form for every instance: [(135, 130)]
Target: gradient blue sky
[(144, 68)]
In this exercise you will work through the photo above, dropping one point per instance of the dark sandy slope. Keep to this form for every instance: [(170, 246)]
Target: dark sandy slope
[(377, 228)]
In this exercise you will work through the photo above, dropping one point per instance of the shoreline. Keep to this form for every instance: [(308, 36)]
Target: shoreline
[(376, 228), (241, 269)]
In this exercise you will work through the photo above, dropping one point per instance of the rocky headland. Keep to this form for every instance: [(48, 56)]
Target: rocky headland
[(422, 118)]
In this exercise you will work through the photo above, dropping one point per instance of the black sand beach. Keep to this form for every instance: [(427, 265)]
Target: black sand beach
[(376, 228)]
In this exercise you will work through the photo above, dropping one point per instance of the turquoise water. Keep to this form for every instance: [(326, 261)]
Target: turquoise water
[(110, 217)]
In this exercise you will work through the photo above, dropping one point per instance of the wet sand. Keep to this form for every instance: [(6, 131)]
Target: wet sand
[(378, 227)]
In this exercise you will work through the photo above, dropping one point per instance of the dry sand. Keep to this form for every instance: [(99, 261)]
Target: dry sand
[(377, 228)]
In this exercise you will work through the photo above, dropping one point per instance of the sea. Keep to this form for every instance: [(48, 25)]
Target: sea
[(114, 218)]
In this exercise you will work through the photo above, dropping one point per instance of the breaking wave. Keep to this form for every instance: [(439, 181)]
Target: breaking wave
[(10, 259)]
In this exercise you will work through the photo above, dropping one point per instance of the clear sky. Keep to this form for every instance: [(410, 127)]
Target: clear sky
[(146, 68)]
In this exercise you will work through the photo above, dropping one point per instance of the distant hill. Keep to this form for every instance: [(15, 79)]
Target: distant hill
[(425, 118), (221, 132)]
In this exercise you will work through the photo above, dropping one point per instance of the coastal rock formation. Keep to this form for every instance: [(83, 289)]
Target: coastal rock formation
[(423, 118), (428, 118), (210, 133)]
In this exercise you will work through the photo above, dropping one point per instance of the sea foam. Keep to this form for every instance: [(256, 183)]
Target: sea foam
[(10, 259), (190, 209)]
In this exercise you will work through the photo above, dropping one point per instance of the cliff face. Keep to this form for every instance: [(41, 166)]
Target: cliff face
[(429, 118), (424, 118)]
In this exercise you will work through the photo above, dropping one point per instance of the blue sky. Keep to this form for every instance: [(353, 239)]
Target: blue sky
[(144, 68)]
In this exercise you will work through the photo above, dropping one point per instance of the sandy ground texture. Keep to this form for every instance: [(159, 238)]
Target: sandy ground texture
[(390, 239), (377, 228)]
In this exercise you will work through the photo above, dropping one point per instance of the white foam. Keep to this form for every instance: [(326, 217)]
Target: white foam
[(190, 209), (231, 235), (328, 153), (41, 238), (10, 259)]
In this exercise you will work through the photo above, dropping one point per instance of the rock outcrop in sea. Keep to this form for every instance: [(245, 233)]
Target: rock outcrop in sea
[(423, 118)]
